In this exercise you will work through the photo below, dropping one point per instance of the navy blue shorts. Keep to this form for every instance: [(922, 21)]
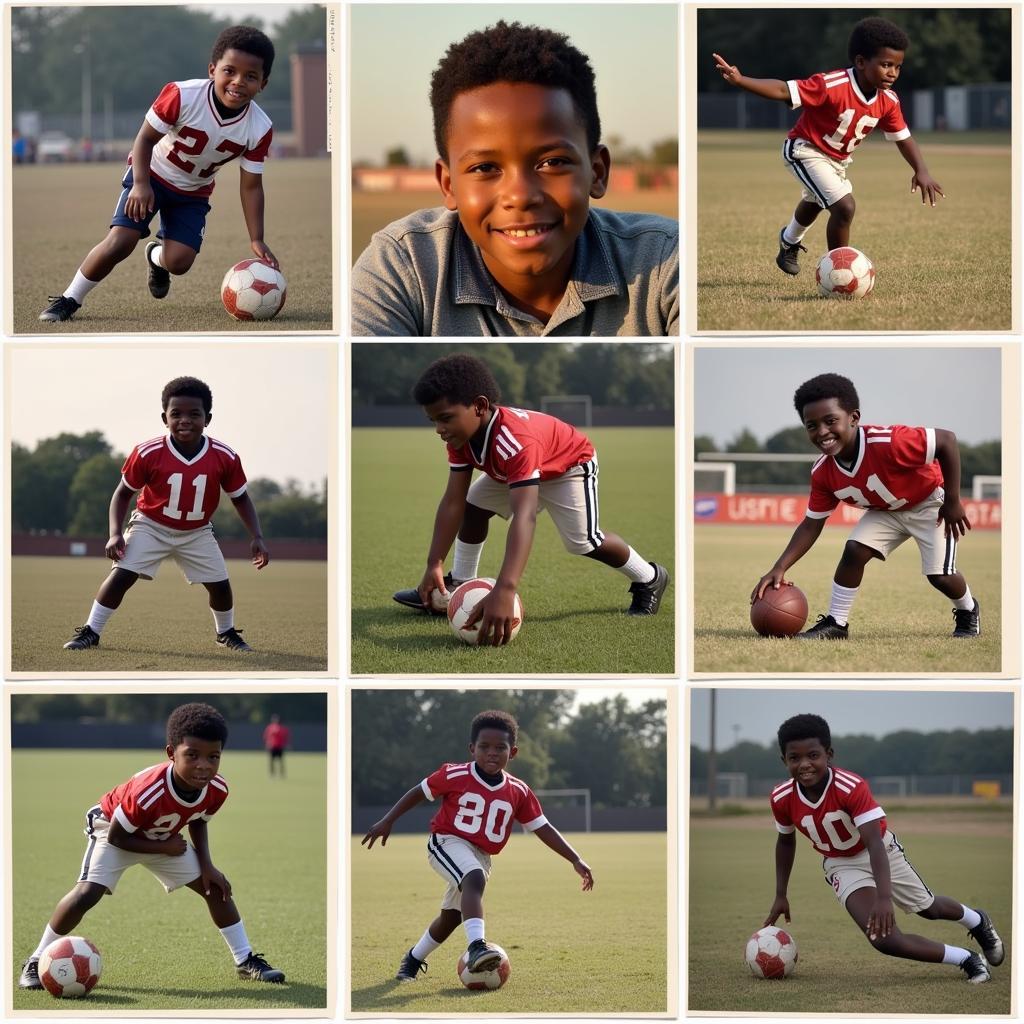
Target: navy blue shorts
[(182, 218)]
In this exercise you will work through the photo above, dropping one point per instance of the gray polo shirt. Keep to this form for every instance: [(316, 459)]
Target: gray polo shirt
[(422, 277)]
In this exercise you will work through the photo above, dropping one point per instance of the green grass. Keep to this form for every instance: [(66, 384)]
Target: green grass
[(165, 625), (942, 269), (574, 619), (899, 623), (536, 911), (732, 884), (162, 951), (62, 211)]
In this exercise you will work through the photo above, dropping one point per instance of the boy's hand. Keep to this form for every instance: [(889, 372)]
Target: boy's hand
[(263, 252), (260, 554), (214, 879), (583, 870), (433, 579), (774, 579), (779, 907), (954, 515), (881, 920), (379, 830), (174, 846), (495, 613), (930, 188), (140, 202), (114, 549), (728, 71)]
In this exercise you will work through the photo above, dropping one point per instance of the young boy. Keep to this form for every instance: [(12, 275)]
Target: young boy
[(530, 461), (191, 130), (140, 822), (178, 479), (907, 479), (480, 803), (517, 250), (840, 109), (863, 861)]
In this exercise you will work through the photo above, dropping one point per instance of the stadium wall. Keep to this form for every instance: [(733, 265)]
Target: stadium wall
[(565, 819), (52, 544), (888, 787), (601, 416)]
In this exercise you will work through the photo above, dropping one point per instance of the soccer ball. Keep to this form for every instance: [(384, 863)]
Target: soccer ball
[(464, 598), (494, 978), (70, 967), (253, 290), (771, 953), (845, 273)]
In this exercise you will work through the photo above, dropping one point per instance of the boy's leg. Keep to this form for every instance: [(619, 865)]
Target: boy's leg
[(66, 917), (792, 236), (840, 217), (108, 600), (481, 956), (469, 544), (222, 606), (437, 932), (978, 924)]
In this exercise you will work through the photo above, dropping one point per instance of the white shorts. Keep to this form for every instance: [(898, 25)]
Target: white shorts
[(571, 501), (148, 543), (884, 532), (105, 864), (453, 858), (823, 179), (848, 874)]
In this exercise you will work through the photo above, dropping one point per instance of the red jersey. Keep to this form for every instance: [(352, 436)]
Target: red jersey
[(837, 116), (832, 823), (276, 736), (478, 811), (178, 492), (895, 468), (524, 447), (148, 803)]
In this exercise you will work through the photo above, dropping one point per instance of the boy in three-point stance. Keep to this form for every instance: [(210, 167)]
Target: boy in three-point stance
[(140, 822), (480, 804), (863, 861)]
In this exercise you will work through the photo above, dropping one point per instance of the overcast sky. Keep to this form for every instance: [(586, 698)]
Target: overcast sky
[(269, 14), (928, 386)]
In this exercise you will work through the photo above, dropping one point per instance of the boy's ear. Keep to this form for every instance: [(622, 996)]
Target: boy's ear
[(855, 416), (512, 753), (444, 180), (170, 751), (212, 68), (600, 169), (163, 417)]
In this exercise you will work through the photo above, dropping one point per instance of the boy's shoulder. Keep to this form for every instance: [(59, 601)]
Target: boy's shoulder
[(621, 224)]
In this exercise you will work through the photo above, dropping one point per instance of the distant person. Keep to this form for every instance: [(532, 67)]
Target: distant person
[(140, 822), (864, 863), (517, 248), (480, 803), (840, 109), (192, 129), (178, 478), (276, 738), (19, 148)]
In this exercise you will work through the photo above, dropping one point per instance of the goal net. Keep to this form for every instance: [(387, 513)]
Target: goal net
[(574, 409), (572, 806)]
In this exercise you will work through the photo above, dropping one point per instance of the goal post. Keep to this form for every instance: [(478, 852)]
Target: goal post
[(716, 477), (983, 487), (579, 798), (575, 409)]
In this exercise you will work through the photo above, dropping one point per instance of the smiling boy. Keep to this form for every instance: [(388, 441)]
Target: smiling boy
[(517, 248)]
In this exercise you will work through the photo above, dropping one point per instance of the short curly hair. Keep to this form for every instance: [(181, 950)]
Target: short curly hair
[(514, 53), (494, 720), (248, 40), (826, 385), (459, 378), (187, 387), (202, 721), (873, 34), (805, 727)]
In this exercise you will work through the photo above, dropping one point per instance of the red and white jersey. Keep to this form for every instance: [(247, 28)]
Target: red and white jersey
[(147, 803), (837, 116), (521, 447), (480, 812), (178, 492), (832, 822), (197, 141), (895, 468)]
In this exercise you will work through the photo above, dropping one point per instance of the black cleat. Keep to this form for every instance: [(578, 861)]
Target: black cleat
[(60, 308), (84, 638), (409, 969), (788, 259), (30, 974), (481, 956), (411, 598), (826, 628), (231, 639), (986, 936), (968, 623), (647, 596), (255, 968), (159, 279), (976, 969)]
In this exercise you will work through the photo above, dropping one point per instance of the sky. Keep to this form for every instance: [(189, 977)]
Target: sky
[(271, 403), (395, 48), (957, 389), (269, 14), (759, 711)]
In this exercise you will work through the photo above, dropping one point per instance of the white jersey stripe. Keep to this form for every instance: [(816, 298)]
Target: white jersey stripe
[(510, 438), (147, 803)]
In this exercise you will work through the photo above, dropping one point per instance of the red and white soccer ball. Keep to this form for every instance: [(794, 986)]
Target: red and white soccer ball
[(492, 979), (253, 290), (70, 967), (845, 273), (464, 598), (771, 953)]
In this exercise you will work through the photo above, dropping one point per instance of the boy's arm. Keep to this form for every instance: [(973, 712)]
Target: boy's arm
[(930, 188), (554, 840), (134, 842), (247, 513), (769, 88), (209, 875), (119, 502), (382, 829), (799, 544), (785, 852), (141, 200), (951, 512), (450, 510), (882, 919), (251, 191)]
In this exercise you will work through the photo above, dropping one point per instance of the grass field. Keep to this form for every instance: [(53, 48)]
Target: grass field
[(536, 911), (942, 269), (160, 951), (899, 622), (62, 210), (165, 625), (573, 606), (960, 850)]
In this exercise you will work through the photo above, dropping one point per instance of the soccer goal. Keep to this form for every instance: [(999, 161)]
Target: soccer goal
[(573, 807), (986, 487), (575, 409), (714, 478)]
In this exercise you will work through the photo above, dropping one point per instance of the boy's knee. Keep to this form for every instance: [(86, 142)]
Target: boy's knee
[(474, 881), (120, 244), (178, 262), (856, 553), (888, 946), (843, 209), (85, 896)]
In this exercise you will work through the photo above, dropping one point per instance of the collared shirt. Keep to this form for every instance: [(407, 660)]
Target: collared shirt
[(423, 277)]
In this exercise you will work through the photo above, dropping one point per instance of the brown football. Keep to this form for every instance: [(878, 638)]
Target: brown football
[(781, 612)]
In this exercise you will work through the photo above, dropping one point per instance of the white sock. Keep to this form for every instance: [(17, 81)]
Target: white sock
[(425, 946), (794, 232), (637, 569), (238, 941), (466, 562), (79, 287), (49, 935), (98, 617), (157, 256), (965, 604), (842, 602), (971, 918), (224, 620), (954, 955), (474, 929)]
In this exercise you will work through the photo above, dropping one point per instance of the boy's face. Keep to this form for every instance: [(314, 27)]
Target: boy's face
[(196, 761), (831, 428), (492, 750), (880, 71), (521, 177), (186, 419), (807, 761), (455, 424), (237, 78)]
